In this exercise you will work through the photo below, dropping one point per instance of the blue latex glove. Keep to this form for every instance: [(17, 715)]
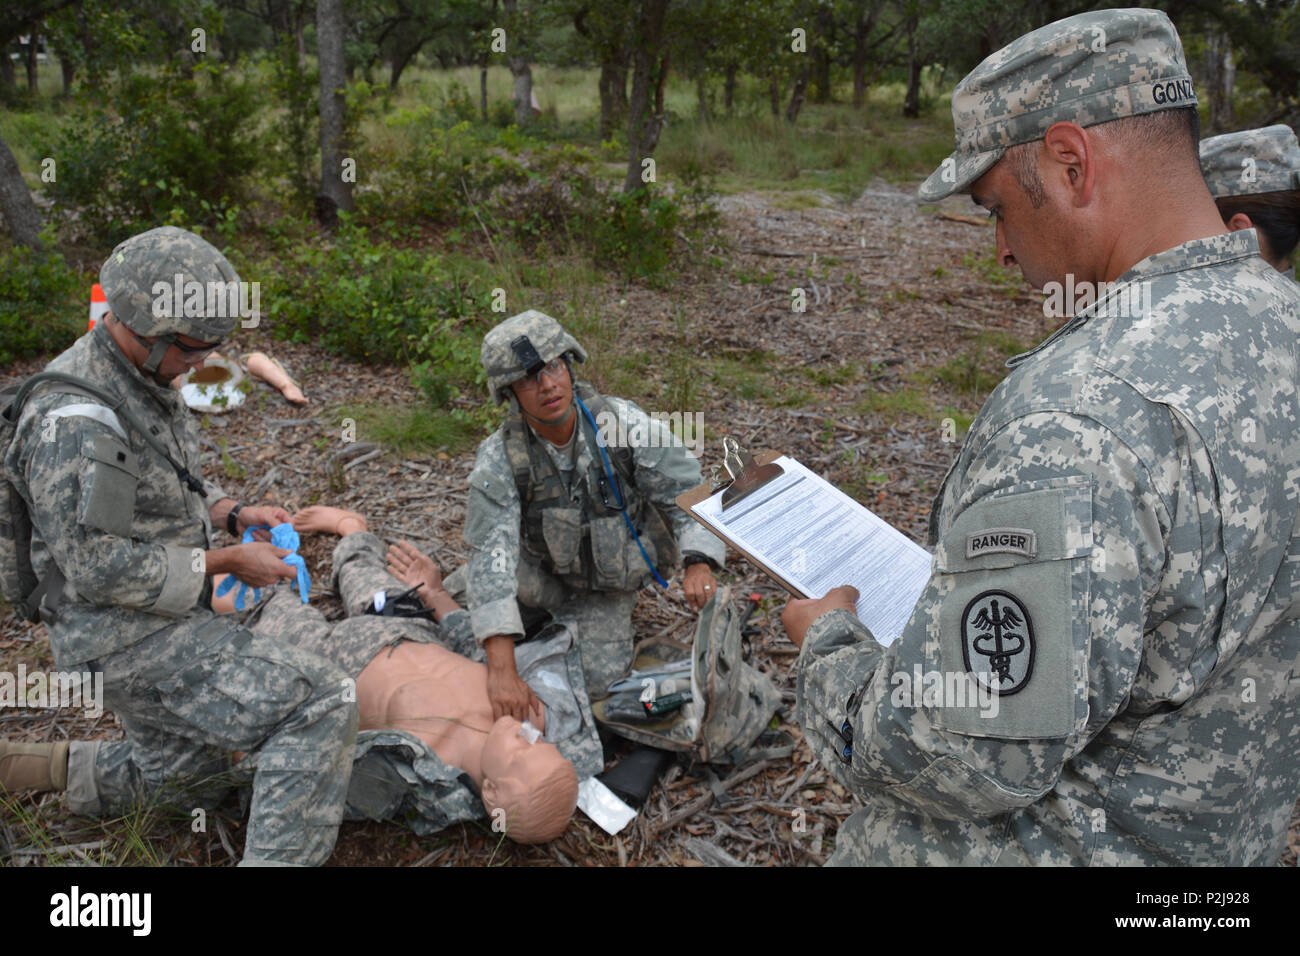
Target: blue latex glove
[(282, 536), (230, 581)]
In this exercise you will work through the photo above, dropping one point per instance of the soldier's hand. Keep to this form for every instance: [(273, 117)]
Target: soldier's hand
[(259, 564), (509, 695), (699, 584), (799, 614), (253, 516)]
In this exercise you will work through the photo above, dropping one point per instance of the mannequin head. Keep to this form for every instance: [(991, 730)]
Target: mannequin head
[(533, 783)]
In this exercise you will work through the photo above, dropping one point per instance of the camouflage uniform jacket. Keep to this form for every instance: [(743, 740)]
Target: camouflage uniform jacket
[(106, 509), (663, 469), (1130, 493)]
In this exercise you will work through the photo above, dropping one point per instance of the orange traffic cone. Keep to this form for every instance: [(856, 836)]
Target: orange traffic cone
[(98, 305)]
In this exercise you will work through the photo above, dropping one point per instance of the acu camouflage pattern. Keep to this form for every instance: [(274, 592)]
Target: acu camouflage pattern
[(1251, 161), (1086, 69), (548, 337), (106, 509), (112, 515), (571, 531), (1158, 460), (731, 704), (395, 775), (501, 575), (159, 255), (190, 694)]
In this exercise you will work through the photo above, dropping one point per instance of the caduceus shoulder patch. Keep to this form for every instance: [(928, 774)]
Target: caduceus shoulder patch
[(997, 641)]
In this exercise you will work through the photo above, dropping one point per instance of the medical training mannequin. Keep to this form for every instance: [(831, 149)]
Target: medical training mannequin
[(441, 698), (436, 694)]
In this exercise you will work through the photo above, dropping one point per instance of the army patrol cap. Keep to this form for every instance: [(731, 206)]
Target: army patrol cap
[(1087, 69), (134, 275), (1251, 161), (521, 345)]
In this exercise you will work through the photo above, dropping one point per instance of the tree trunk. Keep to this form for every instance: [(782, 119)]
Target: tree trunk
[(335, 194), (482, 85), (821, 58), (774, 94), (613, 92), (1219, 75), (643, 127), (517, 58), (729, 88), (8, 82), (402, 58), (912, 101), (861, 30), (621, 104), (33, 79), (16, 203), (702, 97), (523, 95), (69, 70), (796, 96)]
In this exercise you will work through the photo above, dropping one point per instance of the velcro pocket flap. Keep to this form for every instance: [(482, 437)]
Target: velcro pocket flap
[(112, 476)]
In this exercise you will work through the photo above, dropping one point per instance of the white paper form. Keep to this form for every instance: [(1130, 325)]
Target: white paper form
[(817, 538)]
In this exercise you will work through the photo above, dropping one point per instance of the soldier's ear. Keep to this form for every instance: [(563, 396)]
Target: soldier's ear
[(1240, 221)]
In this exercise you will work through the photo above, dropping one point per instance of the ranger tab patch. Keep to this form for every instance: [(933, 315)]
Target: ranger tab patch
[(1002, 541), (997, 641)]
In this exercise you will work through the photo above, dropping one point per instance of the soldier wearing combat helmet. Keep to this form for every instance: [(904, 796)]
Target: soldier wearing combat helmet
[(1116, 547), (122, 541), (570, 511)]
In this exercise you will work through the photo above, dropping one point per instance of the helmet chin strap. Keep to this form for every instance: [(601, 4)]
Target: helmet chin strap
[(157, 352)]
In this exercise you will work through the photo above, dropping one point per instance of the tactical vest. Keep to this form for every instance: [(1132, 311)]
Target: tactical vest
[(582, 534)]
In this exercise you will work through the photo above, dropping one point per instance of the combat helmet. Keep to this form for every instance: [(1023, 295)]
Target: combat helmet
[(149, 281), (520, 346)]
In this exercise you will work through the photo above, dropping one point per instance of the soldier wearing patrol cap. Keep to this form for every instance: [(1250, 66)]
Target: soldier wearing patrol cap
[(571, 510), (1254, 177), (1100, 669), (122, 542)]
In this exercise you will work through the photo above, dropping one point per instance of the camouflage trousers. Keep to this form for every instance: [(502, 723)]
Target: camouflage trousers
[(190, 694), (602, 620), (359, 570)]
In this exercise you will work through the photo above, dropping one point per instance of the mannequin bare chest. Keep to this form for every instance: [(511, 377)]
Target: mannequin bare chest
[(433, 694)]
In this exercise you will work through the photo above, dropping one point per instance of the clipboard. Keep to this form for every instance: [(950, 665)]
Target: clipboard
[(748, 478)]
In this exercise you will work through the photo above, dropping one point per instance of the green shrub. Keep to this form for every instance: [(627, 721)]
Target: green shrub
[(41, 306), (181, 148), (638, 234), (362, 298)]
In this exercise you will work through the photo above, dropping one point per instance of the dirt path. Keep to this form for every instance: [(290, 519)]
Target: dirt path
[(899, 340)]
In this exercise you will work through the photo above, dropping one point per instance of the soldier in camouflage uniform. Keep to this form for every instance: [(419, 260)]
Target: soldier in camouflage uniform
[(1254, 177), (1115, 547), (566, 548), (126, 544)]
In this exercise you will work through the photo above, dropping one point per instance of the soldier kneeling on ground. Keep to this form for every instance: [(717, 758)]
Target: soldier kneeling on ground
[(571, 510), (101, 467)]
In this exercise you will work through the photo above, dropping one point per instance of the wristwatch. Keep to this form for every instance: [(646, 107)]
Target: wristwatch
[(694, 557), (231, 526)]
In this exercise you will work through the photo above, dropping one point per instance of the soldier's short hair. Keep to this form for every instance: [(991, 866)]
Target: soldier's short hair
[(1157, 135)]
